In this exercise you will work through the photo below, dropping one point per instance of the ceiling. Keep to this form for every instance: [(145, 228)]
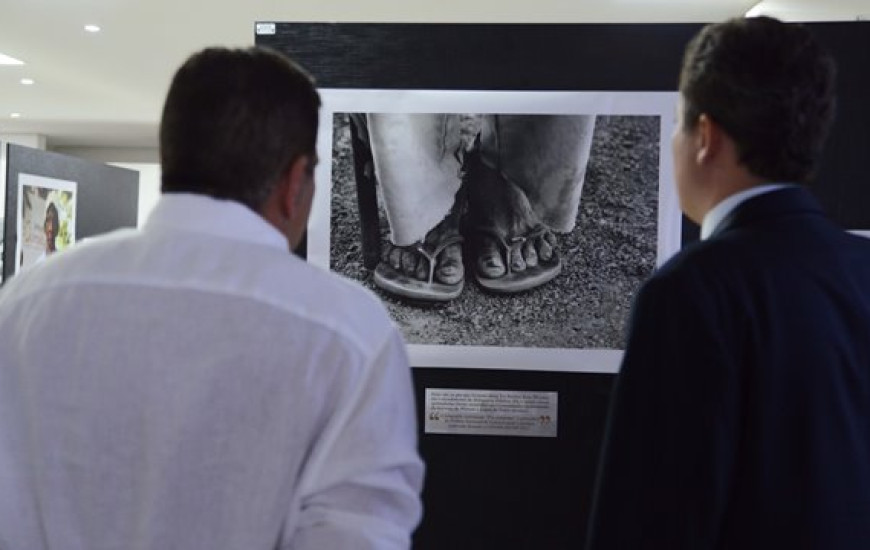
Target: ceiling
[(105, 89)]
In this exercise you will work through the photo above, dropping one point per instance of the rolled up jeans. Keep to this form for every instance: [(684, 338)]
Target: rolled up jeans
[(417, 164)]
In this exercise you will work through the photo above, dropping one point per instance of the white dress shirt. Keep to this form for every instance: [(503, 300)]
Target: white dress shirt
[(724, 207), (195, 386)]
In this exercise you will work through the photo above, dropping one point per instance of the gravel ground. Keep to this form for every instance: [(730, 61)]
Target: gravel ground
[(605, 259)]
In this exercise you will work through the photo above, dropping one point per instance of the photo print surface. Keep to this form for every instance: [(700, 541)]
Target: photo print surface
[(46, 218), (508, 238)]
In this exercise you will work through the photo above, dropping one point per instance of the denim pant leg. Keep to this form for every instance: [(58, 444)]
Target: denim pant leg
[(546, 156), (417, 168)]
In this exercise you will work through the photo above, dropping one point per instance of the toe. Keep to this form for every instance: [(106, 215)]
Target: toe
[(550, 238), (489, 262), (545, 249), (546, 245), (422, 273), (516, 259), (395, 258), (450, 269), (409, 262), (530, 254)]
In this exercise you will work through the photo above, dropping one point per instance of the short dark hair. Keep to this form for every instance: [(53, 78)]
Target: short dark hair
[(770, 86), (234, 121)]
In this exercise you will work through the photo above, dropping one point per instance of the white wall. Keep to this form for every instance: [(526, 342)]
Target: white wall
[(813, 10)]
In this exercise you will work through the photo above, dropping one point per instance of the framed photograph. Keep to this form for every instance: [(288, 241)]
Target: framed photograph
[(46, 218), (625, 223)]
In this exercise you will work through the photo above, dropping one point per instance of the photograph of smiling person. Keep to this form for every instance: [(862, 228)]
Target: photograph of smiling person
[(46, 218)]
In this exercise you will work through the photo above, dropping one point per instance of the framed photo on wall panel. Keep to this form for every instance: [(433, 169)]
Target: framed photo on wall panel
[(46, 218), (625, 223)]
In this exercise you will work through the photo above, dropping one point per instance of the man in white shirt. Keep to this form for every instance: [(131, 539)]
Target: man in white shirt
[(194, 384)]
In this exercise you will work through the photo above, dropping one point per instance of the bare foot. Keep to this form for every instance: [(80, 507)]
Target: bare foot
[(410, 261), (505, 227)]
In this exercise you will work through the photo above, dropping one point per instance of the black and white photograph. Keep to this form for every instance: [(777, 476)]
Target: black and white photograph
[(499, 231)]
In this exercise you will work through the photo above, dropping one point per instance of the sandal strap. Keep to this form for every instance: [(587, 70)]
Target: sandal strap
[(455, 238), (433, 256)]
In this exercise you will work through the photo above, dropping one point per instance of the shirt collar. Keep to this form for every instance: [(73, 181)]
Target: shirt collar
[(718, 213), (221, 218)]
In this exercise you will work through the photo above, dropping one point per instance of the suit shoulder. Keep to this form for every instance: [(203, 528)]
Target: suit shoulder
[(701, 257)]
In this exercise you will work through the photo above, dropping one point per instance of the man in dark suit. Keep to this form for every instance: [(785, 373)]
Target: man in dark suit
[(741, 414)]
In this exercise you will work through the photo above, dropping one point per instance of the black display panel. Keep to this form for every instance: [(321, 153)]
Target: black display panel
[(513, 492)]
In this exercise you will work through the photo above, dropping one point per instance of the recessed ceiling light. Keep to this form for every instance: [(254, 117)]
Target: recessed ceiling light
[(27, 81), (92, 28), (15, 115), (7, 60)]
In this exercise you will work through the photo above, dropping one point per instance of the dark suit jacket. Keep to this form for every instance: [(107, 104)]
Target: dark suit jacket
[(741, 414)]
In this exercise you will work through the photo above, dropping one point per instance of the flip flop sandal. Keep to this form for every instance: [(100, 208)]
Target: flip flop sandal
[(518, 281), (396, 282)]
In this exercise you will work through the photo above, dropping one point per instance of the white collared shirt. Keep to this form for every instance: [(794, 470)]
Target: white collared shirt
[(194, 385), (718, 213)]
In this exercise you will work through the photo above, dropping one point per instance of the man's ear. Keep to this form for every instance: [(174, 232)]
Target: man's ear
[(295, 185), (709, 139)]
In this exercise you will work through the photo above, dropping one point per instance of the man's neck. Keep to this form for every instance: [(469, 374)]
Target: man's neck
[(724, 183), (720, 211)]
